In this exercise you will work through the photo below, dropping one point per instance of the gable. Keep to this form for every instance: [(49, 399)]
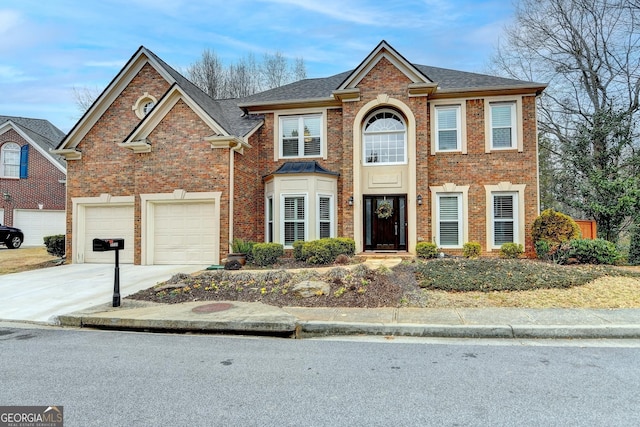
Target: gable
[(33, 140), (123, 79)]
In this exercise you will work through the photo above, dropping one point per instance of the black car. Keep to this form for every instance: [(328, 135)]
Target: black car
[(11, 236)]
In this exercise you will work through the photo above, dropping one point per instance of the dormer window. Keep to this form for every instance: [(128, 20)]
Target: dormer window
[(144, 105)]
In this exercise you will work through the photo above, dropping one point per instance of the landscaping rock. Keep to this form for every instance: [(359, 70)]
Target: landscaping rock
[(311, 288)]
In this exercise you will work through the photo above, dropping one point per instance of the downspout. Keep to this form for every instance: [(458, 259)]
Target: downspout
[(236, 148), (231, 195)]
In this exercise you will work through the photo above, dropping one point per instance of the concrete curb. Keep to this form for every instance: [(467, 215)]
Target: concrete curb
[(303, 329)]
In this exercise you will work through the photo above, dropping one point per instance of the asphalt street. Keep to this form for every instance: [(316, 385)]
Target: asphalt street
[(111, 378)]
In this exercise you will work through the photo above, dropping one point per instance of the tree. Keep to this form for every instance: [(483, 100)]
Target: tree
[(84, 97), (208, 74), (245, 77), (589, 52), (275, 70)]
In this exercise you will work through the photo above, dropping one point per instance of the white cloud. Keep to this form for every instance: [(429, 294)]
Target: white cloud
[(10, 74), (9, 20)]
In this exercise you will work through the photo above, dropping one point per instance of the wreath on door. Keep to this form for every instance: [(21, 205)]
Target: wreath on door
[(385, 209)]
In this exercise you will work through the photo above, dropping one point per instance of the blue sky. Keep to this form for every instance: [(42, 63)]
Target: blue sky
[(47, 47)]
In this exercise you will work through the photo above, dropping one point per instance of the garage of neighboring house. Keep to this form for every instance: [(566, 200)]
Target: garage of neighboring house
[(181, 228), (102, 217), (36, 224)]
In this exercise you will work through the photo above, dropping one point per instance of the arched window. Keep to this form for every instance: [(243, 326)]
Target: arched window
[(385, 138), (10, 160)]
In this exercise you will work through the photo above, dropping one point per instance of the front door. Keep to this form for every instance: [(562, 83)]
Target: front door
[(385, 223)]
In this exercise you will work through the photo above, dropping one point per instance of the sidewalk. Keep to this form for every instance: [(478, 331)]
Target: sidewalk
[(257, 318)]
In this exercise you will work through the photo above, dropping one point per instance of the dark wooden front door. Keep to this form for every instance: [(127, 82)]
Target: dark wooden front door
[(385, 223)]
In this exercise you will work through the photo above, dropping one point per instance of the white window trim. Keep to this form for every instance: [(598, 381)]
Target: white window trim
[(462, 123), (332, 217), (281, 218), (268, 198), (138, 107), (450, 189), (277, 133), (458, 197), (3, 150), (405, 159), (516, 122), (519, 224)]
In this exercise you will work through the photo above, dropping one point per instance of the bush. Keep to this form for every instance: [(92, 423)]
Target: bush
[(634, 247), (55, 245), (346, 246), (543, 250), (511, 250), (267, 253), (297, 250), (242, 246), (554, 227), (426, 250), (319, 251), (587, 251), (471, 250)]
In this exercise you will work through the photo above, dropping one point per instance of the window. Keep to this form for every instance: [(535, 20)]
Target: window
[(384, 139), (144, 104), (448, 128), (503, 125), (10, 157), (294, 220), (325, 226), (300, 136), (270, 219), (147, 107), (449, 220), (504, 218)]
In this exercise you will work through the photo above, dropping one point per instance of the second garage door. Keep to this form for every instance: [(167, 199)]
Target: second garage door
[(184, 233), (36, 224)]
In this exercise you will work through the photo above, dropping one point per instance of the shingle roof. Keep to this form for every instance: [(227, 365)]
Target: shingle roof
[(40, 131), (303, 89), (225, 112), (448, 79), (302, 167), (322, 88)]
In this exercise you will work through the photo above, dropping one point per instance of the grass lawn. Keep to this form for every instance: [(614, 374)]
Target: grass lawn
[(526, 283), (15, 260)]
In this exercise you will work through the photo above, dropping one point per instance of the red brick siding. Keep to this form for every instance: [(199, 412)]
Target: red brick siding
[(180, 157), (478, 169), (42, 184)]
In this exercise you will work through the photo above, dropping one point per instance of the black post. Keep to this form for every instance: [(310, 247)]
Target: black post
[(116, 282)]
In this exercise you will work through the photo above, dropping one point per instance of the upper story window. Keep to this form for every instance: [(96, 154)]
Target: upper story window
[(503, 125), (144, 105), (147, 107), (10, 160), (448, 130), (385, 139), (301, 136)]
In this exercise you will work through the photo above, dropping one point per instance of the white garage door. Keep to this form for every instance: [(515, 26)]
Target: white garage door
[(35, 224), (184, 233), (104, 222)]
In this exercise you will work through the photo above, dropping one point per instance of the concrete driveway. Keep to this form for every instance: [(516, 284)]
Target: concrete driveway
[(42, 295)]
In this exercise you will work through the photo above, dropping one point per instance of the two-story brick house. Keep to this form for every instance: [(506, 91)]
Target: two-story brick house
[(32, 180), (389, 154)]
